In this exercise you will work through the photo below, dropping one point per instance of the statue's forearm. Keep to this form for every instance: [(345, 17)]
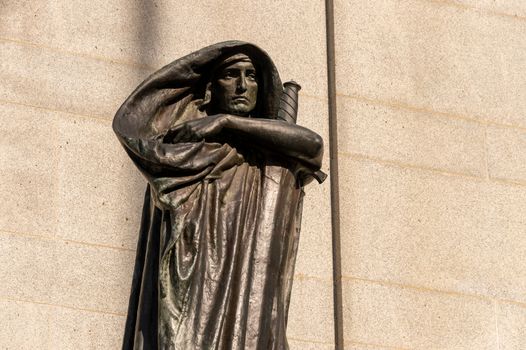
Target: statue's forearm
[(289, 139)]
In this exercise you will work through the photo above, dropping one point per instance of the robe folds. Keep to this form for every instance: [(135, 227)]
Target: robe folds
[(221, 218)]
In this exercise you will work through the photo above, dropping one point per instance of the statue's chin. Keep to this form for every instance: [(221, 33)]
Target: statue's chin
[(238, 109), (240, 112)]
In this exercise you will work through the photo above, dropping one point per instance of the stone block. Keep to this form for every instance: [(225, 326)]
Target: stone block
[(39, 77), (511, 320), (27, 268), (358, 346), (77, 329), (315, 247), (511, 8), (313, 113), (67, 176), (305, 345), (25, 326), (28, 168), (100, 189), (157, 33), (65, 274), (416, 319), (92, 278), (432, 56), (311, 311), (506, 153), (423, 228), (410, 137)]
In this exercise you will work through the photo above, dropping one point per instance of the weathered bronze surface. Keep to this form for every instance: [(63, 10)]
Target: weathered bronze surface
[(226, 166)]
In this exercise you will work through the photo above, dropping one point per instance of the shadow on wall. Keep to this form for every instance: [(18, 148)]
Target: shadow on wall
[(147, 33), (144, 45)]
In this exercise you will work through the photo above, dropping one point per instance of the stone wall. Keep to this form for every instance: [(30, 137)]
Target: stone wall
[(431, 121), (431, 111), (71, 197)]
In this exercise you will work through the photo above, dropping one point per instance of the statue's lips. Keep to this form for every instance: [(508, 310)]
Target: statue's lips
[(240, 99)]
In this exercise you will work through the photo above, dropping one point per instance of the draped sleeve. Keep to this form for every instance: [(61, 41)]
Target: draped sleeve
[(173, 95)]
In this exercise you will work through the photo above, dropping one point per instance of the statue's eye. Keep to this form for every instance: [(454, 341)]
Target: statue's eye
[(251, 75), (227, 74)]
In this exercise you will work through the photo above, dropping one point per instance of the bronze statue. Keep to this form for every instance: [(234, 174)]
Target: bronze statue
[(222, 211)]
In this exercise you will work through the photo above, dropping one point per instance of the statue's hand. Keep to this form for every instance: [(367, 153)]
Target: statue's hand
[(199, 129)]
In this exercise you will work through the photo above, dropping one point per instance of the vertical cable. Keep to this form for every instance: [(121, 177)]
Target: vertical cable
[(335, 199)]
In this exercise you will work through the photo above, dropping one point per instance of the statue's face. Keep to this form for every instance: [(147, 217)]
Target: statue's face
[(235, 88)]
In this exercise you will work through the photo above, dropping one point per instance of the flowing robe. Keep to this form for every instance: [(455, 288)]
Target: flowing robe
[(219, 235)]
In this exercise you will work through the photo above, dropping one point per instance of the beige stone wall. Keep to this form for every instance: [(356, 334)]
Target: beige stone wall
[(431, 119), (431, 99), (71, 199)]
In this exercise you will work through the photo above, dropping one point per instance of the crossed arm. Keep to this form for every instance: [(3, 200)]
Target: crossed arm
[(278, 136)]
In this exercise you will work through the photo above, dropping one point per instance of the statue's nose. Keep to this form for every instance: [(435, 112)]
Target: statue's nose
[(241, 83)]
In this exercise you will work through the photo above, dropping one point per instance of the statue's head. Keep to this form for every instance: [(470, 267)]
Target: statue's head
[(233, 88), (230, 77)]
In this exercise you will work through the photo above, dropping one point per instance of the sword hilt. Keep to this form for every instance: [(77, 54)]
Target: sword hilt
[(288, 107)]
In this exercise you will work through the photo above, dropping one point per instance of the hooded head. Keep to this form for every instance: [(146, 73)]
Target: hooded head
[(229, 77), (233, 88)]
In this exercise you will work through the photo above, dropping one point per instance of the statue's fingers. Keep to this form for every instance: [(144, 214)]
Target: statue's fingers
[(176, 138), (175, 133), (181, 136), (188, 135), (194, 134)]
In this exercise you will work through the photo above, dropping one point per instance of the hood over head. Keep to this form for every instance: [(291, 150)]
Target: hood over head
[(174, 94)]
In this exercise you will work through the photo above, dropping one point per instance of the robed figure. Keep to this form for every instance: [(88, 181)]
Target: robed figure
[(221, 219)]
